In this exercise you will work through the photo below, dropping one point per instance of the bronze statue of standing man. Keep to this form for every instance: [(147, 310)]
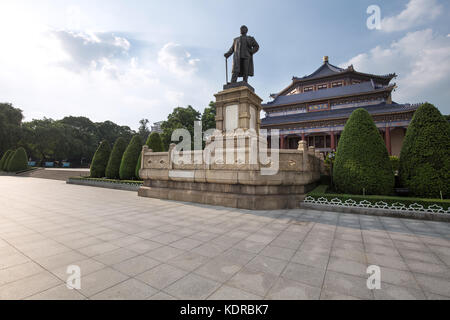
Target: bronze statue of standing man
[(244, 47)]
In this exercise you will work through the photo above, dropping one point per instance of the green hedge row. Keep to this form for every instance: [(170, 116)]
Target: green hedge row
[(109, 180), (322, 191)]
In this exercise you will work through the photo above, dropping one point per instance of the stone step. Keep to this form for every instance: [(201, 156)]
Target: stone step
[(54, 174)]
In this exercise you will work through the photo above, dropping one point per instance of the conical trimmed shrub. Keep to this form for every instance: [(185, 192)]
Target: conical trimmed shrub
[(100, 160), (362, 161), (8, 159), (113, 167), (425, 157), (3, 160), (154, 143), (18, 161), (127, 169)]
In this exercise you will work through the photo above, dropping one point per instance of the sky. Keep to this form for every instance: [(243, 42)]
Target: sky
[(128, 60)]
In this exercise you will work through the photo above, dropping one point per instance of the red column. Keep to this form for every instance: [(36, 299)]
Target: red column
[(281, 142), (303, 137), (333, 141), (388, 140)]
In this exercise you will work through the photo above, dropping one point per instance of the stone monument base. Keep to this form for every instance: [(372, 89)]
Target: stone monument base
[(236, 169), (228, 195)]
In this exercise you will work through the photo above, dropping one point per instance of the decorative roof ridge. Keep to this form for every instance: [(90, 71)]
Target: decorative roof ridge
[(325, 64)]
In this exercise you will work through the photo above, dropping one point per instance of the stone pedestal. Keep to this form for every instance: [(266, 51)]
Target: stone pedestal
[(238, 108)]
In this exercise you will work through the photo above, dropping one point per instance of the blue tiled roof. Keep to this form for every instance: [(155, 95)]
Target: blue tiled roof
[(363, 87), (339, 113)]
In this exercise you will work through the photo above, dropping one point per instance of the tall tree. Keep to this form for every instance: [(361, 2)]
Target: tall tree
[(10, 126), (209, 117), (143, 130), (180, 118)]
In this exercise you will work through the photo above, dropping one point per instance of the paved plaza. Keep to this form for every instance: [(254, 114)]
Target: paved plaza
[(139, 248)]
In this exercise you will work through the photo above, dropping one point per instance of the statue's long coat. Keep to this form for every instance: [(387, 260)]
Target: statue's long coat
[(252, 48)]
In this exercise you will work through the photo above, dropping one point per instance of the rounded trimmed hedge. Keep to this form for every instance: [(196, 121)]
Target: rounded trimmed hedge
[(130, 157), (362, 162), (100, 160), (154, 143), (18, 161), (4, 158), (113, 167), (425, 157)]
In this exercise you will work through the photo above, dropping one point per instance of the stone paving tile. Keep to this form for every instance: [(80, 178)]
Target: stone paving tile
[(310, 259), (137, 265), (304, 274), (188, 261), (251, 246), (218, 269), (399, 278), (144, 246), (191, 250), (347, 285), (162, 276), (12, 259), (192, 287), (435, 270), (252, 281), (350, 254), (162, 296), (435, 285), (286, 289), (62, 259), (330, 295), (19, 272), (347, 266), (267, 265), (278, 252), (392, 292), (29, 286), (87, 266), (386, 261), (186, 244), (115, 256), (130, 289), (60, 292), (83, 243), (164, 253), (210, 250), (229, 293), (100, 280), (98, 249)]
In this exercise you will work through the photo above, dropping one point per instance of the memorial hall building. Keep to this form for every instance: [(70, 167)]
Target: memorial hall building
[(316, 107)]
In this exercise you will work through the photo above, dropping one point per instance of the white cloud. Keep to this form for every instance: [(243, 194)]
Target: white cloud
[(422, 61), (177, 60), (417, 12), (100, 75), (92, 50)]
